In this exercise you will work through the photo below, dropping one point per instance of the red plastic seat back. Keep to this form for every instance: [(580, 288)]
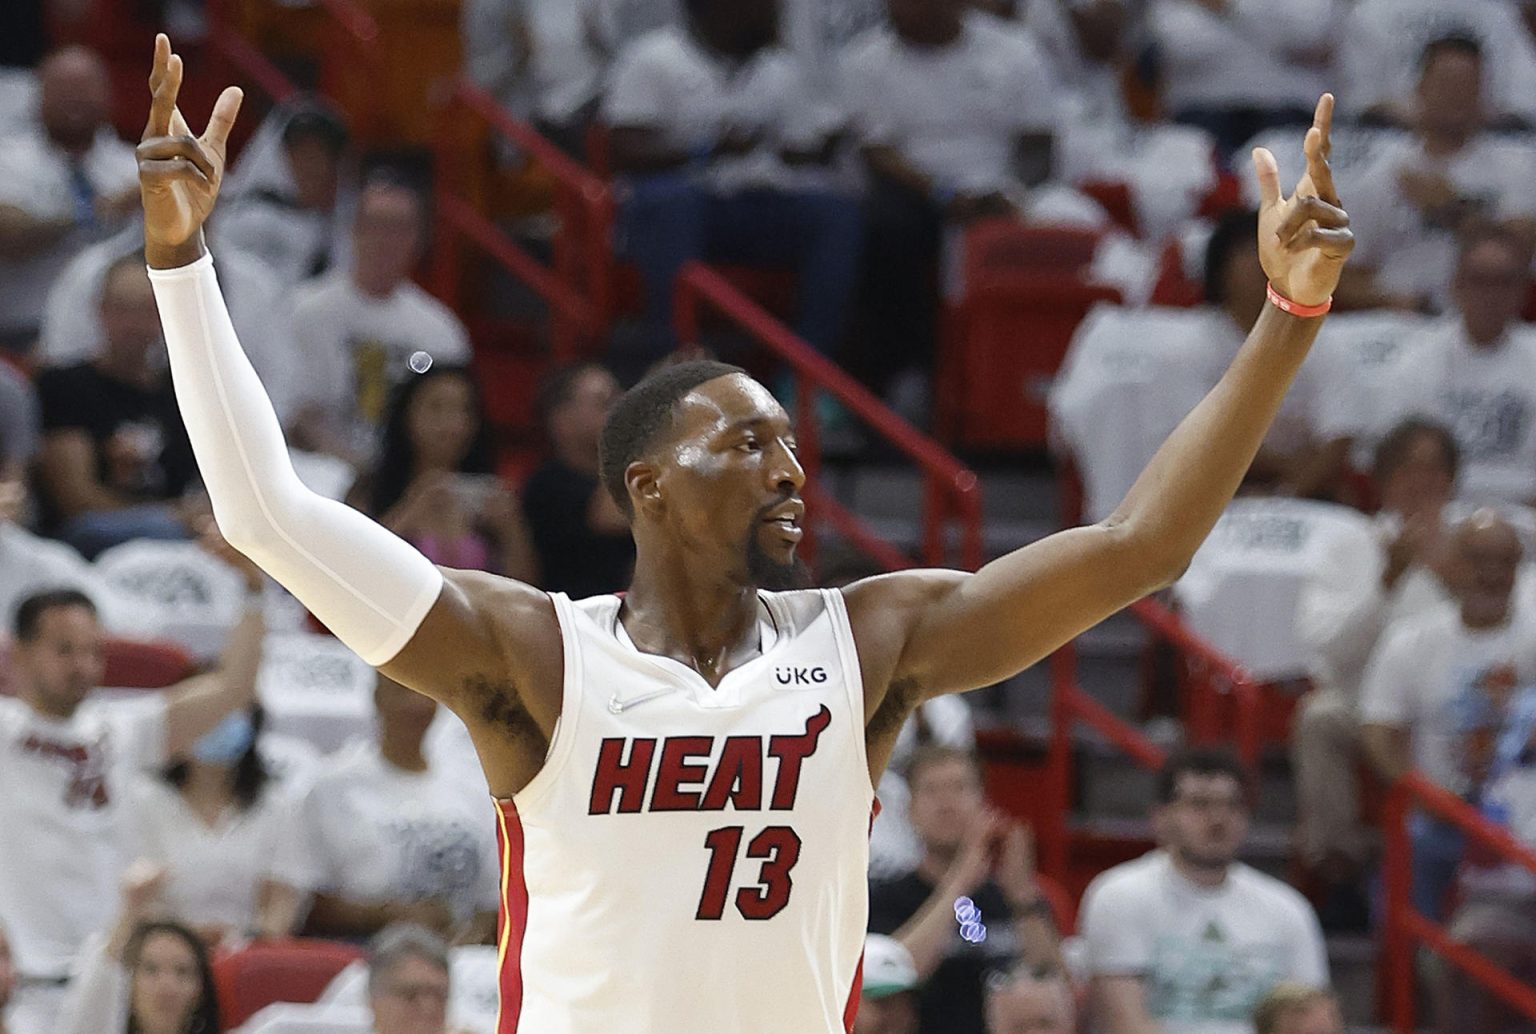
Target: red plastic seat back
[(140, 664), (297, 970)]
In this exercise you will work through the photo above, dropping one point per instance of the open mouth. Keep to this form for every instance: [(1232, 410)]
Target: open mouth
[(786, 518)]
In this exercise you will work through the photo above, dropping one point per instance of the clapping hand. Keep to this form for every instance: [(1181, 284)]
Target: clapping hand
[(1304, 239)]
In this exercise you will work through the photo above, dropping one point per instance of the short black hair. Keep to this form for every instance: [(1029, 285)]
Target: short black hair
[(29, 614), (1235, 230), (1205, 761), (1392, 450), (311, 118), (1450, 43), (642, 413)]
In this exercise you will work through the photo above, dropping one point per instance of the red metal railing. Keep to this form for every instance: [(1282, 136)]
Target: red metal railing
[(950, 489), (1406, 927), (1071, 706), (578, 284), (1212, 680)]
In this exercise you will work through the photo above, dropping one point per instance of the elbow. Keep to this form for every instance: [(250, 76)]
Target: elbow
[(248, 533), (1149, 562)]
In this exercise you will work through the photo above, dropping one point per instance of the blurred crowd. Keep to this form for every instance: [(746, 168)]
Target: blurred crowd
[(1375, 566)]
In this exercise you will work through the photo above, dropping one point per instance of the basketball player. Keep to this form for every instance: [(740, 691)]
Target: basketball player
[(684, 776)]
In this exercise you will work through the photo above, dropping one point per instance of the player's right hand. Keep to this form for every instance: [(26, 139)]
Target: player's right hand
[(179, 174)]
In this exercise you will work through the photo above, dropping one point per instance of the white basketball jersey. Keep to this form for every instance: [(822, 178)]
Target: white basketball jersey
[(692, 860)]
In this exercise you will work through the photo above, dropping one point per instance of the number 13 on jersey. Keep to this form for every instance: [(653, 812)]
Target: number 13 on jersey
[(779, 849)]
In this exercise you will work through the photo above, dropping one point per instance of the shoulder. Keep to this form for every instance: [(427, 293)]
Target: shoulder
[(431, 310), (1280, 899), (882, 610), (1127, 884), (657, 52)]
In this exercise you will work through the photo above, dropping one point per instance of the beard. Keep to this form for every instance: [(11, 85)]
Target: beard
[(771, 575)]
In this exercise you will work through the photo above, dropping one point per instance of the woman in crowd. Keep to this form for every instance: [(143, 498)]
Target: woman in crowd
[(435, 484), (147, 976), (218, 824)]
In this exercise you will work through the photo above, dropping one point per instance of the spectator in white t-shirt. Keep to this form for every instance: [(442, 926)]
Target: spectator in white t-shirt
[(1432, 671), (1349, 599), (1187, 938), (1236, 67), (217, 822), (386, 838), (1475, 371), (66, 764), (955, 120), (290, 197), (360, 329), (63, 182), (710, 132), (1382, 41), (1346, 603), (1410, 201)]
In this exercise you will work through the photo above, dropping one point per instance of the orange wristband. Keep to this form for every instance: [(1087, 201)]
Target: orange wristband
[(1284, 304)]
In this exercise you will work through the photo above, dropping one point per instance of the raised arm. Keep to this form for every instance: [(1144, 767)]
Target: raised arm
[(374, 591), (931, 632)]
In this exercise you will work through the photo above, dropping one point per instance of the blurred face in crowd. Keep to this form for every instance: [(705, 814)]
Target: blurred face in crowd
[(386, 237), (1027, 1006), (1450, 92), (412, 998), (1205, 823), (891, 1014), (166, 984), (1487, 554), (442, 421), (62, 662), (1421, 481), (576, 424), (1492, 281), (130, 321), (947, 800), (315, 166), (403, 713), (926, 22), (74, 98), (1322, 1017)]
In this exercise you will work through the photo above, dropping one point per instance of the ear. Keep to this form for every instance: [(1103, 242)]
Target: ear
[(643, 481)]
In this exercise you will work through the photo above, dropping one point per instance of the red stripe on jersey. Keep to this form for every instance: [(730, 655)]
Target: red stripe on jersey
[(514, 918), (851, 1010)]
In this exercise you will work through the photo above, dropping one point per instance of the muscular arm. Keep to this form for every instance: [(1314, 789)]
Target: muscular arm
[(925, 633)]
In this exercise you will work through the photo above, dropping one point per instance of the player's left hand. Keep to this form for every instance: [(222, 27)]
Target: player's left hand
[(1304, 239)]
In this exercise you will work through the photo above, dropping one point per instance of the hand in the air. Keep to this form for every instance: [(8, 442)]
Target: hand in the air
[(179, 174), (1304, 239)]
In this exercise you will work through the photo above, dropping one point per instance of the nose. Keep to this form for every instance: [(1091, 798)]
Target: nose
[(785, 470)]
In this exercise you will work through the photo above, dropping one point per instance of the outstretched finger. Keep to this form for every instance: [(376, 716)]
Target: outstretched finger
[(1319, 146), (225, 109), (174, 148), (1268, 174), (163, 87), (1306, 210)]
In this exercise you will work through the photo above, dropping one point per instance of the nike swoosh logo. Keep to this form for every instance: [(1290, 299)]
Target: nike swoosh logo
[(619, 706)]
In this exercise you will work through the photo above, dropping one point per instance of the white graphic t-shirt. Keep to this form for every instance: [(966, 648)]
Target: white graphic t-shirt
[(1207, 955), (63, 812), (374, 832)]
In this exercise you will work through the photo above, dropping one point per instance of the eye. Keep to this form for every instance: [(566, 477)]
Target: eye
[(792, 445), (750, 445)]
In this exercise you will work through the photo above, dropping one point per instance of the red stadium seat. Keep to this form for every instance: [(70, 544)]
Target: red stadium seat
[(297, 970), (137, 664), (1115, 197), (1008, 336)]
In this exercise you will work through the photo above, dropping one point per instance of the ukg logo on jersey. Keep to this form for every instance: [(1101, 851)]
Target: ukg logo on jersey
[(788, 675)]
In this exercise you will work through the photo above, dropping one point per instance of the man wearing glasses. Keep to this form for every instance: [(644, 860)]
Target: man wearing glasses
[(1186, 938)]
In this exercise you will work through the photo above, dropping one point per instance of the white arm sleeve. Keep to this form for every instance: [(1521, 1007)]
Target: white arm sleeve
[(366, 585)]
